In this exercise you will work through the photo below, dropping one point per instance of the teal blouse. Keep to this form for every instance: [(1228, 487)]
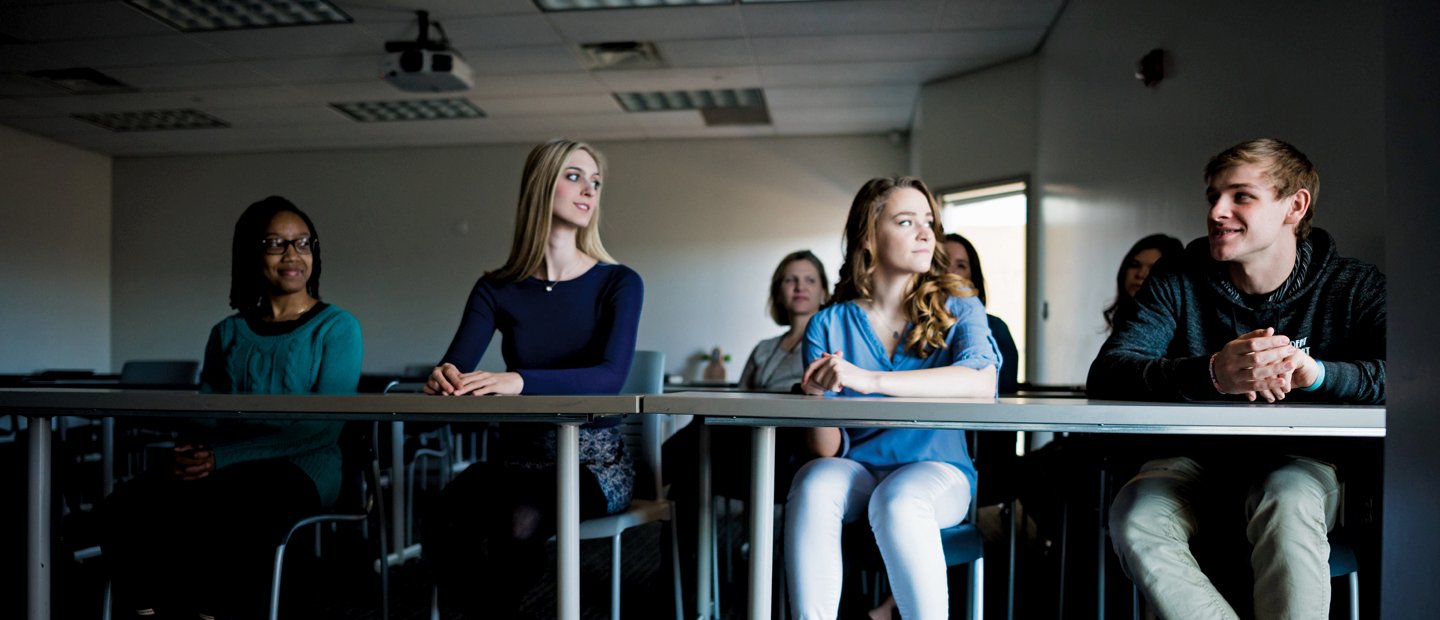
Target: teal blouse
[(318, 353)]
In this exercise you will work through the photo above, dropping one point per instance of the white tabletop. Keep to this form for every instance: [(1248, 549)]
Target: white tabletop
[(1026, 414), (410, 407)]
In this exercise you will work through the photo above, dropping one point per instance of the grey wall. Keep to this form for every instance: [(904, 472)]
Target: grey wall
[(977, 127), (54, 255), (1411, 541), (407, 232), (1116, 161)]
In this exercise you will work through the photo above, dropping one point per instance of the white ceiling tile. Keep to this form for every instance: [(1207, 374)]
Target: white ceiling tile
[(552, 105), (848, 48), (985, 43), (189, 77), (166, 49), (64, 21), (898, 117), (365, 11), (725, 131), (53, 126), (680, 79), (705, 53), (293, 42), (649, 24), (479, 32), (202, 99), (856, 74), (669, 119), (18, 85), (33, 57), (570, 123), (880, 95), (974, 14), (523, 60), (537, 84), (847, 17), (319, 69), (287, 116)]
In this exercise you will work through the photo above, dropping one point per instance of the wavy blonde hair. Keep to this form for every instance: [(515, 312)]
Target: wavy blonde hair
[(926, 305), (535, 211)]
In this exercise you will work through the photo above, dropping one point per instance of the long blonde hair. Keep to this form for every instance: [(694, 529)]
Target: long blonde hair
[(535, 210), (926, 305)]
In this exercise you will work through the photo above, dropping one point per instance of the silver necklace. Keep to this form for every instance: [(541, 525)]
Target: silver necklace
[(551, 286)]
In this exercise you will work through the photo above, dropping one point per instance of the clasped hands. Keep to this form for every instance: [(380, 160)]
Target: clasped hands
[(447, 380), (831, 373), (1261, 364)]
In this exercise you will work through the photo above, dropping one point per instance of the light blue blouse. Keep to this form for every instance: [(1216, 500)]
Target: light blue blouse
[(844, 327)]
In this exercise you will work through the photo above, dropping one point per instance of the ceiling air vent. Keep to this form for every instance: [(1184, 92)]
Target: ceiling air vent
[(728, 106), (620, 55), (153, 120), (409, 110), (81, 81)]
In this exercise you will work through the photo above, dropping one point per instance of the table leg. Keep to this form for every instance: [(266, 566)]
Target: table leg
[(38, 490), (397, 492), (107, 456), (705, 532), (567, 522), (762, 520)]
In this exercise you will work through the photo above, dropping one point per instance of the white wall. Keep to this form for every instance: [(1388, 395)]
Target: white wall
[(977, 127), (1117, 161), (408, 231), (54, 255)]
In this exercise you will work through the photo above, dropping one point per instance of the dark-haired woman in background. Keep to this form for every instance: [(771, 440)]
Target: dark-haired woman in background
[(197, 538), (965, 262), (1136, 268)]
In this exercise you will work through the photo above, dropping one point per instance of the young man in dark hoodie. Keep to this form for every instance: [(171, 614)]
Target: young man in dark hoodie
[(1262, 308)]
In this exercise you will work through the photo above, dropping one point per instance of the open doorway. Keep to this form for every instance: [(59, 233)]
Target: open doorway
[(994, 217)]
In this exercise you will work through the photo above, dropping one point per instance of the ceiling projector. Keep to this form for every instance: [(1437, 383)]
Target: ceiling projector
[(426, 66)]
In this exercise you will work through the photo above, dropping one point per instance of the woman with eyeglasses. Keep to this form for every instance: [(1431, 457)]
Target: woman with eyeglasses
[(196, 538), (568, 315)]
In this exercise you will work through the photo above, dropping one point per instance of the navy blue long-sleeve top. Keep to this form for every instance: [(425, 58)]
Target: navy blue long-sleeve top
[(576, 338)]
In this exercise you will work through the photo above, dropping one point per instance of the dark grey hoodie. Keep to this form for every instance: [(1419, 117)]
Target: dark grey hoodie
[(1333, 307)]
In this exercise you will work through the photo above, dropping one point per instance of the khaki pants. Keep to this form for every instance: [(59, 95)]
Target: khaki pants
[(1289, 511)]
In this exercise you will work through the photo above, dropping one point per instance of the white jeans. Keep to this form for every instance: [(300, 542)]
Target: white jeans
[(1288, 510), (907, 508)]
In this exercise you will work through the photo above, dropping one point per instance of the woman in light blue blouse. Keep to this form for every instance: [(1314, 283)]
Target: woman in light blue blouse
[(899, 325)]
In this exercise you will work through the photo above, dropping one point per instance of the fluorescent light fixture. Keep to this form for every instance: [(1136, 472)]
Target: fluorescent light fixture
[(81, 81), (591, 5), (660, 101), (409, 110), (211, 15), (552, 6), (153, 120)]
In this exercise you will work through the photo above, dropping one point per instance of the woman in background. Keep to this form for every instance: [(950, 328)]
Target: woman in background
[(568, 315), (965, 262), (197, 539), (1136, 268), (797, 290), (899, 325)]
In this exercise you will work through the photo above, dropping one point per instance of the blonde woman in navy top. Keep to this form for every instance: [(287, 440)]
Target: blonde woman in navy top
[(899, 325), (568, 314)]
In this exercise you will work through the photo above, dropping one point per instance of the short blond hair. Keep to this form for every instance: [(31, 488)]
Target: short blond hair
[(1289, 169)]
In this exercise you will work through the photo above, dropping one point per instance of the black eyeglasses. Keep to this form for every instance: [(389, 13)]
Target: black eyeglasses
[(275, 245)]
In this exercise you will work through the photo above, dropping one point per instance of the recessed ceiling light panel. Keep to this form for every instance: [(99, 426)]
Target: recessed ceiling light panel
[(153, 120), (81, 81), (658, 101), (211, 15), (591, 5), (409, 110)]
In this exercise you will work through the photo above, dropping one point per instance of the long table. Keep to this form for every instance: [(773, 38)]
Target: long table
[(765, 412), (566, 412)]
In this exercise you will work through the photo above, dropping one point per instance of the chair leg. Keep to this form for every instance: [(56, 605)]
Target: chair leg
[(434, 602), (105, 606), (675, 563), (275, 581), (615, 577), (977, 589), (1355, 595)]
